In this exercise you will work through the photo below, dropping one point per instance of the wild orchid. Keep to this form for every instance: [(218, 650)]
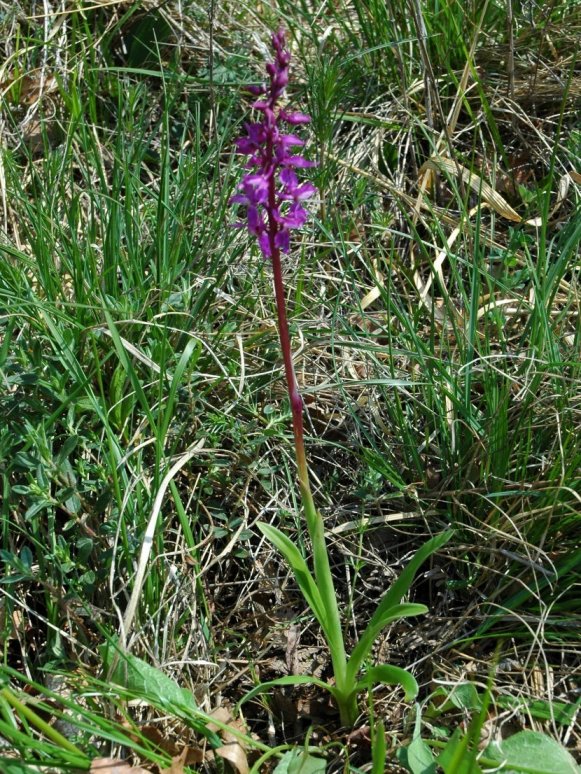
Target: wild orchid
[(273, 198)]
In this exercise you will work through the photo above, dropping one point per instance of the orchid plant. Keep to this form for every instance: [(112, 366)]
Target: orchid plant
[(273, 198)]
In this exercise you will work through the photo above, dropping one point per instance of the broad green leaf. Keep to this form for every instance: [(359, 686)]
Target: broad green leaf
[(299, 567), (300, 762), (417, 757), (151, 684), (144, 680), (374, 627), (463, 696), (288, 680), (533, 753), (390, 675)]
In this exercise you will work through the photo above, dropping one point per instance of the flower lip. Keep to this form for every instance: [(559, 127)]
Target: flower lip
[(299, 193), (255, 89), (299, 162), (295, 117)]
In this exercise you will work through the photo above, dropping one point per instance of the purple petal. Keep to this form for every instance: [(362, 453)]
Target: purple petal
[(269, 118), (256, 188), (282, 58), (264, 244), (282, 240), (238, 199), (299, 211), (286, 140), (255, 222), (295, 117), (280, 80), (294, 218), (279, 40), (255, 160), (297, 218), (255, 132), (304, 191), (288, 177), (256, 91), (244, 145), (299, 162)]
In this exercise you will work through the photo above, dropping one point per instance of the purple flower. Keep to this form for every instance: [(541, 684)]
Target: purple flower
[(295, 118), (273, 210)]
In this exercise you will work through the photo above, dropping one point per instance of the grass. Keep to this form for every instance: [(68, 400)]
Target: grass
[(145, 426)]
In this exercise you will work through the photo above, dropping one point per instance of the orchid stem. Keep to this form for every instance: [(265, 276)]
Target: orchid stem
[(315, 524)]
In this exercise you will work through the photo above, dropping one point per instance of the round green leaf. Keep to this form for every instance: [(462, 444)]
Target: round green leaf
[(300, 762), (533, 753)]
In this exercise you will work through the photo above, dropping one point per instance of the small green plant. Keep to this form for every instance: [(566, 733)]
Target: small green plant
[(273, 199), (461, 753)]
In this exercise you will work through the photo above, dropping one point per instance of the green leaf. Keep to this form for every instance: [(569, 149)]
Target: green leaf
[(463, 696), (84, 547), (456, 758), (418, 756), (300, 762), (533, 753), (390, 675), (298, 565), (192, 348), (389, 608), (400, 587), (560, 712), (288, 680), (378, 749), (149, 683), (67, 448), (10, 766), (374, 627)]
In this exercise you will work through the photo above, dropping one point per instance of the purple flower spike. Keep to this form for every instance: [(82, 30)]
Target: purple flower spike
[(271, 210)]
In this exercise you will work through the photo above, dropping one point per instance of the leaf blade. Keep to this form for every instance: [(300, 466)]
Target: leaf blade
[(390, 675), (402, 584), (300, 569), (374, 627), (532, 752), (284, 681)]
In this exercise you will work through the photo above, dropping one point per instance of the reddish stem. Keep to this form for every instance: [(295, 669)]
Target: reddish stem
[(296, 401)]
